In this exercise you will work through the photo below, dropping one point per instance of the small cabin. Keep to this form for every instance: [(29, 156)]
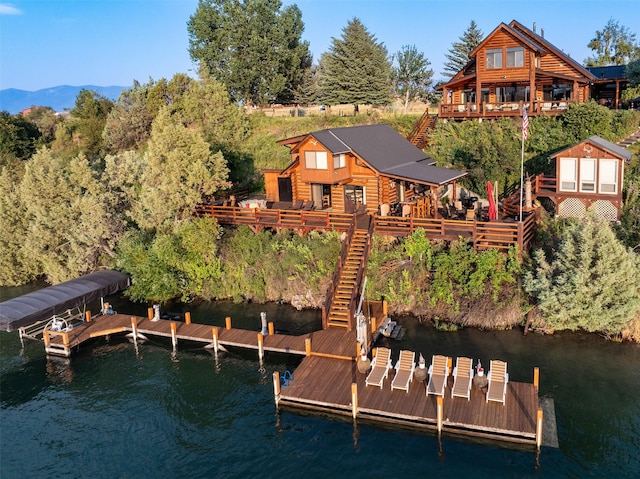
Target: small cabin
[(588, 174), (365, 168)]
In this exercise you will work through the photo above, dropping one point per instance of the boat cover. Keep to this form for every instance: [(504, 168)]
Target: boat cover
[(44, 303)]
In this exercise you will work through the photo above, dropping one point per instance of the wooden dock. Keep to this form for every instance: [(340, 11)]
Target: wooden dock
[(328, 379), (328, 385)]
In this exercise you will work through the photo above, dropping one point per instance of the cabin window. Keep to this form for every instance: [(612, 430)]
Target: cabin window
[(339, 161), (316, 160), (608, 176), (557, 92), (494, 59), (468, 96), (568, 174), (512, 94), (515, 57), (588, 175)]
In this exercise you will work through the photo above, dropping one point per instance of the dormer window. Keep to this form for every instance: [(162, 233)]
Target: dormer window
[(494, 59), (515, 57), (339, 161)]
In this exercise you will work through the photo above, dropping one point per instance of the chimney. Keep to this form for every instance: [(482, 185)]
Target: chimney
[(534, 27), (542, 32)]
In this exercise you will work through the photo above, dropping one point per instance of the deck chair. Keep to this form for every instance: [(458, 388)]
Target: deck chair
[(438, 373), (404, 370), (308, 206), (498, 379), (462, 377), (379, 368), (298, 205)]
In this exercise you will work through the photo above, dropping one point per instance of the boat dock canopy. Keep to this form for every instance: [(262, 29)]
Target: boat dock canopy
[(44, 303)]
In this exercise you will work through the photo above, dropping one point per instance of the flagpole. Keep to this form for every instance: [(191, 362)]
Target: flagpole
[(521, 175)]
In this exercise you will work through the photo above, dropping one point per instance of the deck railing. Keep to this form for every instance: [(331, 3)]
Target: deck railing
[(500, 234), (498, 109)]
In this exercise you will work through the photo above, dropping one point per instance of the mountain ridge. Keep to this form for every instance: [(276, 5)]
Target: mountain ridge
[(59, 98)]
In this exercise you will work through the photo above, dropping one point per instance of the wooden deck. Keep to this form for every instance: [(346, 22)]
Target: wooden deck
[(325, 385), (330, 342)]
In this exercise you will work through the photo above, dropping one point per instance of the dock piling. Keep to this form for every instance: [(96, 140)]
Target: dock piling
[(87, 315), (134, 327), (215, 332), (227, 322), (539, 429), (187, 317), (260, 346), (307, 346), (354, 399), (174, 337), (440, 414), (272, 329), (276, 387), (536, 377)]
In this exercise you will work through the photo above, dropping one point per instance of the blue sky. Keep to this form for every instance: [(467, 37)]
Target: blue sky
[(45, 43)]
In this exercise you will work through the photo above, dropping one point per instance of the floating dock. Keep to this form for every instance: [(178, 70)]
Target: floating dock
[(328, 380)]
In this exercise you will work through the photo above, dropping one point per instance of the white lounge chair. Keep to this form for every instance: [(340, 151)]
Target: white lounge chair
[(438, 374), (462, 377), (498, 379), (404, 370), (379, 368)]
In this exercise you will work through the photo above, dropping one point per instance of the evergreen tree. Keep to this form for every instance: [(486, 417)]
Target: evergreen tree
[(615, 44), (458, 55), (412, 76), (592, 282), (254, 47), (356, 69)]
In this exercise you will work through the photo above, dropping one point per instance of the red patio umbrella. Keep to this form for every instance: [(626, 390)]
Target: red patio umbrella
[(493, 211)]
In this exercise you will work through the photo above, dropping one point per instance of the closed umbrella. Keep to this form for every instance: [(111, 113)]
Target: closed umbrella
[(493, 211)]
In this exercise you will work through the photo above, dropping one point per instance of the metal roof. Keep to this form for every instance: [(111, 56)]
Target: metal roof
[(617, 150), (44, 303), (387, 152)]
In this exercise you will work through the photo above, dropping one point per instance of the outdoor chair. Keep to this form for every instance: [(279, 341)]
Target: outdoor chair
[(379, 368), (462, 377), (438, 373), (404, 370), (498, 379)]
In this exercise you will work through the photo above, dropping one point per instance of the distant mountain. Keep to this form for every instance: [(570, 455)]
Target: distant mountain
[(58, 97)]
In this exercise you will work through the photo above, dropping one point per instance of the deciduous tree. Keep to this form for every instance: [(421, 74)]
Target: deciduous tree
[(254, 47), (615, 44), (356, 69), (412, 75)]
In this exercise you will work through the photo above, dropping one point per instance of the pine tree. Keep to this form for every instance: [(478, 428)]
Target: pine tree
[(458, 55), (592, 283), (356, 69)]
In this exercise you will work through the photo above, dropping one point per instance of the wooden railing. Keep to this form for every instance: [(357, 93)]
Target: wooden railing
[(418, 135), (498, 109), (355, 296)]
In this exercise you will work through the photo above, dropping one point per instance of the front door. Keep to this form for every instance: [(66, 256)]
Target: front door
[(353, 197)]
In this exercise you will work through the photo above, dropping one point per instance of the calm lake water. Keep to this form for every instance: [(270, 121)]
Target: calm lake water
[(113, 412)]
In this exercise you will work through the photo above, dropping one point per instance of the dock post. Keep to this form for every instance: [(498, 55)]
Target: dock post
[(307, 347), (354, 399), (174, 338), (215, 331), (276, 387), (260, 346), (227, 322), (272, 329), (373, 325), (440, 414), (87, 315), (134, 328), (385, 308), (536, 377), (539, 429), (150, 313), (187, 317)]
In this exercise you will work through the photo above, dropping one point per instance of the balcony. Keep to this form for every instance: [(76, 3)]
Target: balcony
[(501, 109)]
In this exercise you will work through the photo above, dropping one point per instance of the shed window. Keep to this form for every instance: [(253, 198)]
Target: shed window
[(568, 174), (588, 175), (316, 160), (515, 57), (608, 176), (494, 59)]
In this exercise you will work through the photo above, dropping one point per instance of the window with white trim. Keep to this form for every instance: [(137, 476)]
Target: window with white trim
[(316, 160), (588, 175), (339, 160), (515, 57), (568, 171), (494, 59), (608, 176)]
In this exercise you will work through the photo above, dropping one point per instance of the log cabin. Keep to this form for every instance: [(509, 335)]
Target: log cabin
[(366, 168), (588, 174), (511, 68)]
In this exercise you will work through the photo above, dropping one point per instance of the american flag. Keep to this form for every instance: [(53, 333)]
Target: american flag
[(525, 124)]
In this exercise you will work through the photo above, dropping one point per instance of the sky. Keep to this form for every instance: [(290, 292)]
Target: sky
[(47, 43)]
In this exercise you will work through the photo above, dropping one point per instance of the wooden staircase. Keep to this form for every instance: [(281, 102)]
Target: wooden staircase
[(420, 132), (344, 292)]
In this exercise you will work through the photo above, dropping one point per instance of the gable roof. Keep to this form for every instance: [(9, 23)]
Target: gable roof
[(612, 148), (611, 72), (384, 150)]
